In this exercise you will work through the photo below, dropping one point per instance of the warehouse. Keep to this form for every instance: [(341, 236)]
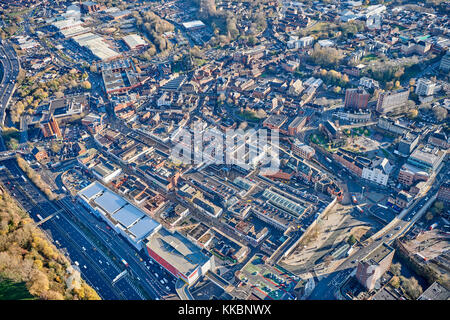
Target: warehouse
[(193, 25), (131, 222), (134, 41), (96, 45), (178, 255)]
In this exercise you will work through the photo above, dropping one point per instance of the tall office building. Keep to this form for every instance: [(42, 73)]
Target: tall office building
[(356, 98), (389, 101)]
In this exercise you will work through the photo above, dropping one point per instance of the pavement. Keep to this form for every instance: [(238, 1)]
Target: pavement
[(10, 66), (98, 253)]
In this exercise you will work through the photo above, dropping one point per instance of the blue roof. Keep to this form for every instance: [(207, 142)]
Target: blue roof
[(128, 215), (143, 227), (92, 190), (110, 202)]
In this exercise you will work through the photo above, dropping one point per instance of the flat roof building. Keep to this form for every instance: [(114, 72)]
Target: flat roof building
[(178, 255), (129, 221), (134, 41), (374, 265)]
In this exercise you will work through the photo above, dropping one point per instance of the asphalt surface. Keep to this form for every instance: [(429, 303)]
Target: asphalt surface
[(10, 70), (62, 221)]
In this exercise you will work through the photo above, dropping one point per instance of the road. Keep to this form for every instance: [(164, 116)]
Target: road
[(10, 70), (98, 266), (325, 288)]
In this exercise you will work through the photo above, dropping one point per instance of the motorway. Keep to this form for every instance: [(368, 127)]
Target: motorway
[(10, 70), (62, 221)]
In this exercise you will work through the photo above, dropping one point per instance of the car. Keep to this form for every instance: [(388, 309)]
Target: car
[(398, 228)]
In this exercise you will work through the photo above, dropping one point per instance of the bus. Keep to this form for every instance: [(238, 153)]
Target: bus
[(359, 209), (354, 199), (125, 263), (381, 206)]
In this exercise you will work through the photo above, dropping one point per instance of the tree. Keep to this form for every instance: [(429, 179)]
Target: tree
[(351, 240), (429, 216), (413, 113), (411, 286), (86, 85), (395, 282), (440, 113), (396, 268)]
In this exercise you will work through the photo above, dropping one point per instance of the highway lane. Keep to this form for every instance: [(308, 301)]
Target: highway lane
[(10, 69), (94, 265), (142, 275)]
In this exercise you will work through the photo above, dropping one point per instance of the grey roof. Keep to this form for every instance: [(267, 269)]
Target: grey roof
[(177, 250), (110, 202), (143, 227), (128, 215), (92, 190)]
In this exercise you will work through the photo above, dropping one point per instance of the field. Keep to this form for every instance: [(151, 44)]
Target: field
[(13, 291)]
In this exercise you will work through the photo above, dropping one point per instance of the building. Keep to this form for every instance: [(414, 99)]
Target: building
[(306, 41), (435, 292), (275, 121), (373, 266), (179, 256), (134, 41), (439, 139), (368, 83), (302, 150), (444, 192), (96, 45), (330, 130), (389, 101), (402, 199), (358, 116), (445, 62), (296, 125), (50, 128), (378, 172), (90, 6), (129, 221), (356, 98), (193, 25), (409, 174), (427, 158), (425, 87), (39, 154), (393, 126), (348, 162), (408, 143)]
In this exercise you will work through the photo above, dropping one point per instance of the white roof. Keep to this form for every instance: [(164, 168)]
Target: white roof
[(92, 190), (134, 40), (128, 215), (110, 202), (143, 227), (193, 24)]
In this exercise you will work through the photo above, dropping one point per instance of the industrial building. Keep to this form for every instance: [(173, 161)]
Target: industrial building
[(129, 221), (178, 255), (134, 41), (96, 45)]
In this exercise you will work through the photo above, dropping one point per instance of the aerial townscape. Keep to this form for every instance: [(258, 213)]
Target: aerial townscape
[(224, 150)]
